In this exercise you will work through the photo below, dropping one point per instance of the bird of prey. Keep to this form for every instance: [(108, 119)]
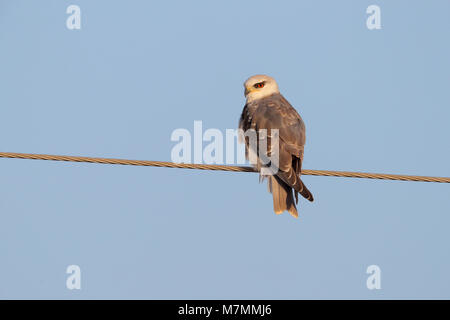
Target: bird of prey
[(267, 109)]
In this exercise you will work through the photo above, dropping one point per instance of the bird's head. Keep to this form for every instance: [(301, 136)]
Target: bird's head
[(260, 86)]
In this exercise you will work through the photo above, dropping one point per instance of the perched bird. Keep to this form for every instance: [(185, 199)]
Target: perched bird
[(266, 108)]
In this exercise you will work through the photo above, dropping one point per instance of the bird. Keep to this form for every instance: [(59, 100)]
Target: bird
[(266, 108)]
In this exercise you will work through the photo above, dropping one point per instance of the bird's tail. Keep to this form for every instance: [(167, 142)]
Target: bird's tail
[(282, 196), (305, 192), (293, 180)]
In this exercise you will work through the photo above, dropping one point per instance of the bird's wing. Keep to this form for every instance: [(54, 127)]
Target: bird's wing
[(275, 112)]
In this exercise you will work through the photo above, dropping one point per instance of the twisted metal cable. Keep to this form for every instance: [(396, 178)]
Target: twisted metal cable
[(217, 167)]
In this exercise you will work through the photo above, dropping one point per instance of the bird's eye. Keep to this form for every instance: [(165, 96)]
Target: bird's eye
[(259, 85)]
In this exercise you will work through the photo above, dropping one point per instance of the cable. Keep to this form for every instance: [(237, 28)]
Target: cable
[(328, 173)]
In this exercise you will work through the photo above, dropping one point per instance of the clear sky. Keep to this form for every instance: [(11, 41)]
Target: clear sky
[(372, 100)]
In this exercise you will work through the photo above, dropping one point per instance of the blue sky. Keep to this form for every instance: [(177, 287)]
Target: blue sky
[(372, 100)]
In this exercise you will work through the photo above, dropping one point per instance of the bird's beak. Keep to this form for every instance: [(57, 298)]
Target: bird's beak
[(247, 91)]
